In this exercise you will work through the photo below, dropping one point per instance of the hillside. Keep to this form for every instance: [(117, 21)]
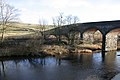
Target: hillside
[(21, 29)]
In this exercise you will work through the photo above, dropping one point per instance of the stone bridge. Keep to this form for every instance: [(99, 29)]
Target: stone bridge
[(104, 27)]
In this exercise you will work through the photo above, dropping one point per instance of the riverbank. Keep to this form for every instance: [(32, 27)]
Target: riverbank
[(35, 46), (32, 48)]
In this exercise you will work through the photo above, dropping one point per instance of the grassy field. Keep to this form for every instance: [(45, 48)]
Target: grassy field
[(21, 29)]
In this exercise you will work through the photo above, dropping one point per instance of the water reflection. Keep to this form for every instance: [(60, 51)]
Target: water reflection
[(3, 70), (84, 67)]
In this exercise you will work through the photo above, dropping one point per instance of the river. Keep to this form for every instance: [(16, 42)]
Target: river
[(85, 67)]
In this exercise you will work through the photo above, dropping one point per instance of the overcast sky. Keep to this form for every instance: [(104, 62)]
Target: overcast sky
[(86, 10)]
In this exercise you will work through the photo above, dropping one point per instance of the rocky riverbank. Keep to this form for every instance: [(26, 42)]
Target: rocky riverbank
[(65, 50)]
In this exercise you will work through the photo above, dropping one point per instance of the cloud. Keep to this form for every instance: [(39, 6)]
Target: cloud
[(86, 10), (29, 16)]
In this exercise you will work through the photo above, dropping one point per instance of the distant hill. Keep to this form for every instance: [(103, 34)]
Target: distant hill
[(18, 29)]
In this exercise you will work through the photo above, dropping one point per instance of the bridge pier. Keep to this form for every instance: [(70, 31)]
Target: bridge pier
[(81, 36), (103, 45)]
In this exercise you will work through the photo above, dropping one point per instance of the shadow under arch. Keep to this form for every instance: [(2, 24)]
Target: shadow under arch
[(50, 39), (91, 28), (64, 39)]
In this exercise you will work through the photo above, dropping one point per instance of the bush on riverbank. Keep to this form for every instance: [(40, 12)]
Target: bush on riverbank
[(34, 46), (55, 50)]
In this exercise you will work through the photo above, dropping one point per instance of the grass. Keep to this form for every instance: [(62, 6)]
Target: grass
[(21, 29)]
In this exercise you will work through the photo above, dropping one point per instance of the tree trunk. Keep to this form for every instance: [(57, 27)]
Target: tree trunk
[(2, 37)]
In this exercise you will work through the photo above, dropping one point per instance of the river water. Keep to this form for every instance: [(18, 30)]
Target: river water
[(85, 67)]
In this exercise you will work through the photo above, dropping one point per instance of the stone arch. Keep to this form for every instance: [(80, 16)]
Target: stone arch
[(52, 37), (89, 34), (64, 39), (118, 41), (90, 28), (97, 37), (112, 28), (112, 41), (74, 36)]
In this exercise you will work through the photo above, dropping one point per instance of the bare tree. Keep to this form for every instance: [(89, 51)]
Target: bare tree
[(8, 14), (54, 22), (69, 19), (42, 24), (75, 19), (59, 21)]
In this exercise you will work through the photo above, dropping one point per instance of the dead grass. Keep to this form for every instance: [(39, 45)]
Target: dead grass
[(18, 29), (20, 33), (90, 46)]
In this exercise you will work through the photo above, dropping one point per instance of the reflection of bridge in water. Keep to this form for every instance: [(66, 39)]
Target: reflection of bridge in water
[(108, 29)]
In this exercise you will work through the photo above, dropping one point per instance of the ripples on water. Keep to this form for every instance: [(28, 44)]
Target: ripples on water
[(85, 67)]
